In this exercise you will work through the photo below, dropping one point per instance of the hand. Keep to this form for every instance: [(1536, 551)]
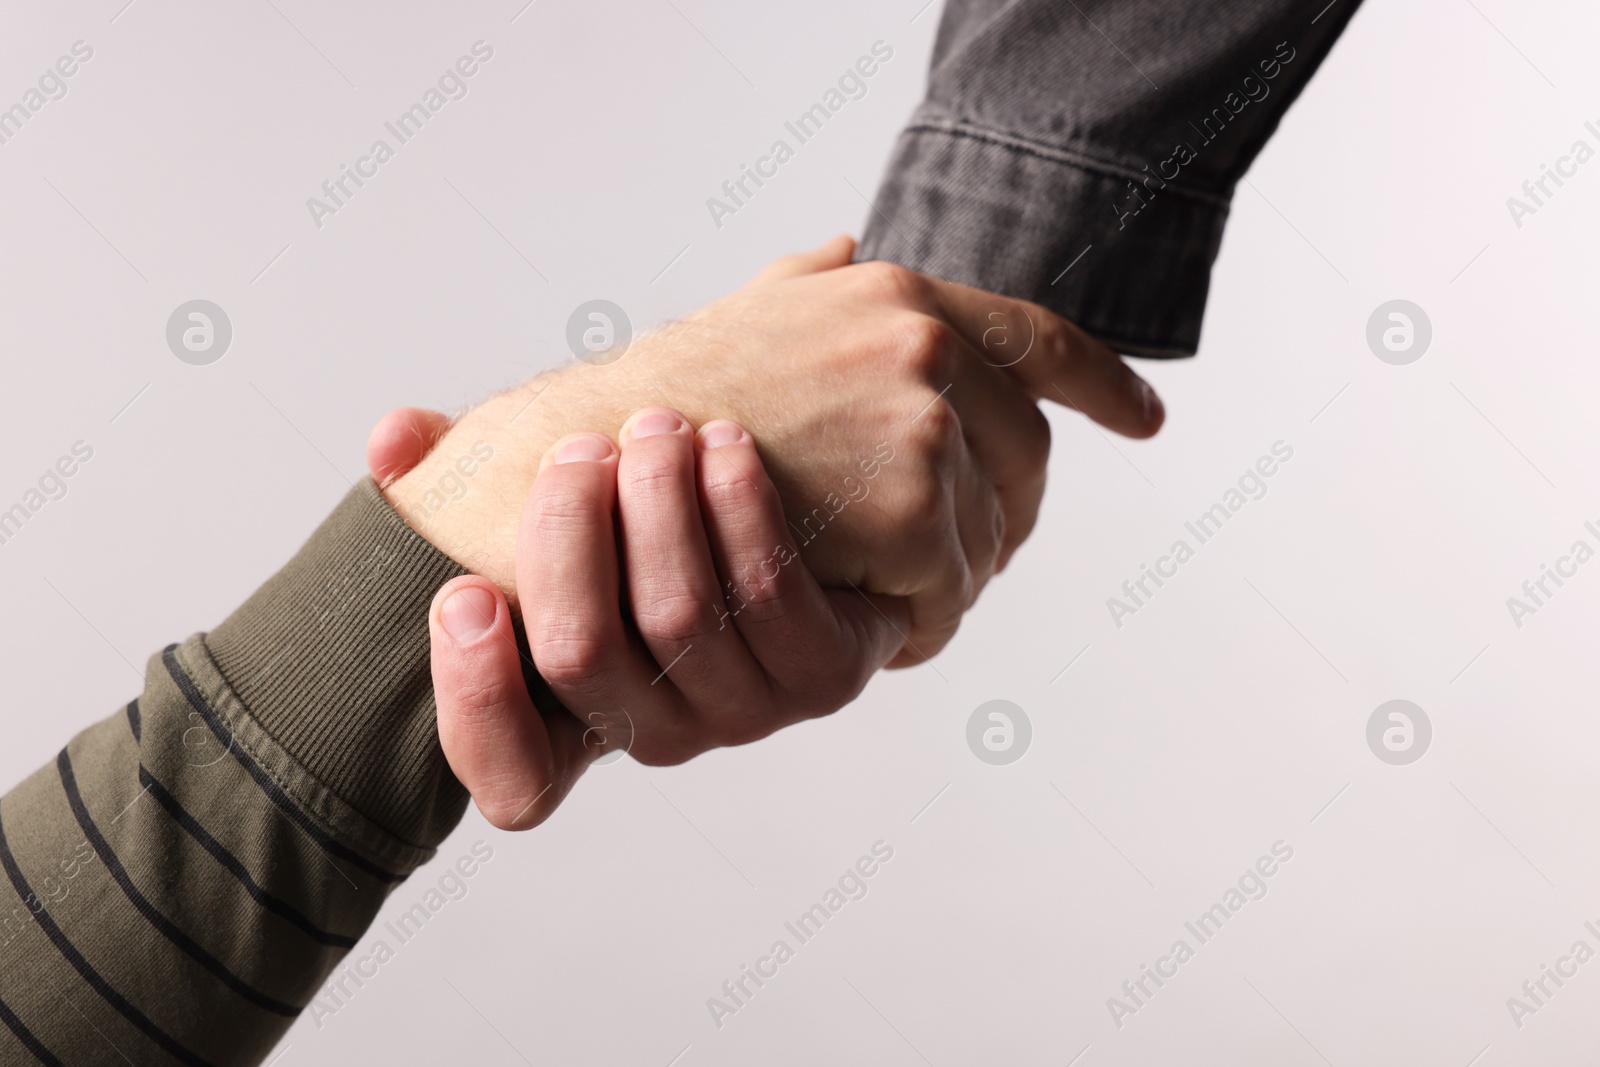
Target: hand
[(727, 630), (829, 367)]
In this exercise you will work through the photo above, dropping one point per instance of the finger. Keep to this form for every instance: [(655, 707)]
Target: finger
[(1010, 439), (790, 623), (834, 253), (980, 523), (674, 592), (882, 625), (938, 606), (1052, 358), (930, 510), (401, 439), (568, 573), (492, 735)]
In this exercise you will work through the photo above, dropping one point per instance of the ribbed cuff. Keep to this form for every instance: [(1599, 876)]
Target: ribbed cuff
[(1008, 214), (330, 657)]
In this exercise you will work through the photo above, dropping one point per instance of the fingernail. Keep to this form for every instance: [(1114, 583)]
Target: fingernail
[(655, 423), (1153, 408), (589, 448), (468, 614), (719, 433)]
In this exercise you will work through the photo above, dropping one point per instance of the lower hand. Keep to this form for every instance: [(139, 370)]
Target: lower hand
[(726, 636), (828, 366)]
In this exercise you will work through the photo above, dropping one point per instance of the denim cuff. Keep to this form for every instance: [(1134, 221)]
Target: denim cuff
[(1120, 252)]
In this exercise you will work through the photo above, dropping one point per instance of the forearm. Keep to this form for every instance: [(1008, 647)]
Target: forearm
[(1084, 155), (187, 873), (466, 494)]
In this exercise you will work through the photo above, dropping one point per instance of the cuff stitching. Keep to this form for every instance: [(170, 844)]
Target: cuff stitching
[(1050, 153)]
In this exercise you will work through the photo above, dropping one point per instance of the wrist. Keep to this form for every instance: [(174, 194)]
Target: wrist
[(466, 495)]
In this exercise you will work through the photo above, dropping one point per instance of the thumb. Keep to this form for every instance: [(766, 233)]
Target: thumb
[(1052, 358), (401, 439), (829, 256), (517, 765)]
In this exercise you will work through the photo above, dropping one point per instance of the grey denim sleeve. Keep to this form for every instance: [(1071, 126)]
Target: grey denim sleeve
[(1082, 153)]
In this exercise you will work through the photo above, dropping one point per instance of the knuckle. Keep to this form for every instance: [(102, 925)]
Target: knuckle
[(920, 514), (936, 432), (732, 496), (757, 596), (571, 661), (925, 557), (481, 694), (1071, 347), (891, 282), (1050, 338), (937, 572), (674, 618), (923, 346), (652, 477)]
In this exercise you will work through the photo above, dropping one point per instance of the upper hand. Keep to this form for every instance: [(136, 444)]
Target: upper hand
[(831, 368)]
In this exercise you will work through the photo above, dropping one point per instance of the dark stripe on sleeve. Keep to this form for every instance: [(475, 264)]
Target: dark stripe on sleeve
[(237, 868), (25, 1036), (168, 929), (81, 965), (262, 778), (135, 722)]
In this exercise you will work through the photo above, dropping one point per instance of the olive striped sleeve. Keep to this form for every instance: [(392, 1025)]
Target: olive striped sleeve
[(182, 878)]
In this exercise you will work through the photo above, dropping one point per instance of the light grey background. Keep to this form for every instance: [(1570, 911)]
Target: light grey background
[(1228, 714)]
